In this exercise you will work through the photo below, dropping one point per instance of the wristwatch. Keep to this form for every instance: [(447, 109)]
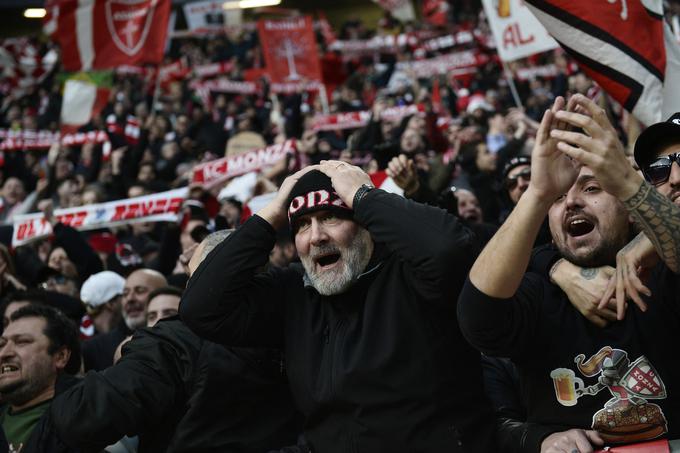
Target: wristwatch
[(361, 193)]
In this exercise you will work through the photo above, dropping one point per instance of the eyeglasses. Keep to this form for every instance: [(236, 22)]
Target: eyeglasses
[(511, 181), (658, 171)]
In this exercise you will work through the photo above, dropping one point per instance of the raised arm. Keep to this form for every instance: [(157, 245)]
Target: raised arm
[(228, 299), (437, 245), (499, 269)]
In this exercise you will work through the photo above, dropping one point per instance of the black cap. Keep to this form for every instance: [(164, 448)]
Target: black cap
[(655, 137), (314, 192), (514, 163)]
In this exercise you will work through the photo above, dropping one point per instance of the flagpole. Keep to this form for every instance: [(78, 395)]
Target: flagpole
[(511, 84), (324, 99), (156, 90)]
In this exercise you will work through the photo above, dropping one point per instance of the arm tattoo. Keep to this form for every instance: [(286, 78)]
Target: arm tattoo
[(588, 273), (659, 219)]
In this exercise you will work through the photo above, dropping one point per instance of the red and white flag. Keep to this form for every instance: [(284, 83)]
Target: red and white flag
[(384, 182), (159, 207), (290, 51), (624, 46), (101, 34)]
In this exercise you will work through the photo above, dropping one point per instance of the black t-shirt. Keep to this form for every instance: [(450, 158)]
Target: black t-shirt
[(622, 380)]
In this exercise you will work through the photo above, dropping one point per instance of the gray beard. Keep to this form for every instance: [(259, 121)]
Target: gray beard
[(354, 261)]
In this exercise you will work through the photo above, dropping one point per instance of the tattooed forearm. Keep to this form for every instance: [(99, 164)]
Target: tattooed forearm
[(659, 219)]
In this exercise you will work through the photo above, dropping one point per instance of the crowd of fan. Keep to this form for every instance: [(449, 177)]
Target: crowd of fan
[(466, 152)]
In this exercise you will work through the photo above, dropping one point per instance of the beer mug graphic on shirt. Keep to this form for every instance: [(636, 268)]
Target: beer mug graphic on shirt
[(567, 386)]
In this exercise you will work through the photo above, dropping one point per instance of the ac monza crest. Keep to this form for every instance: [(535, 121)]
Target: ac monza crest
[(129, 23), (642, 380)]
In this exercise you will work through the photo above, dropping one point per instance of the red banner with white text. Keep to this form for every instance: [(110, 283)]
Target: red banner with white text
[(290, 51)]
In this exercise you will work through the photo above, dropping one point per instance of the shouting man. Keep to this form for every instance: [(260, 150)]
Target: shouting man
[(367, 323), (586, 386)]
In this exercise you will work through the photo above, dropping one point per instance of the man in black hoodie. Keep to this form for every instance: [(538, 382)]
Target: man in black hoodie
[(367, 323)]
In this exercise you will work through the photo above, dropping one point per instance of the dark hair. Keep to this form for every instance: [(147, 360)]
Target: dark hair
[(164, 291), (30, 296), (61, 332)]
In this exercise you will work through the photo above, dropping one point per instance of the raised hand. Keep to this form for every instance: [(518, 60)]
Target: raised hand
[(276, 212), (636, 257), (598, 147), (552, 172), (403, 171)]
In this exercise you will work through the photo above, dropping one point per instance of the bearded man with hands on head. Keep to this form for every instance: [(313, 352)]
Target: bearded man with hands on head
[(586, 385), (367, 321)]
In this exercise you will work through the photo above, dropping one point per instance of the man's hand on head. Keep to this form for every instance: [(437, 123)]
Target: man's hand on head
[(276, 212), (346, 179)]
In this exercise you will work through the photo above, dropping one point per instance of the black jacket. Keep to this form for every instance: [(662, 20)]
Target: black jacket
[(180, 393), (379, 368), (98, 351)]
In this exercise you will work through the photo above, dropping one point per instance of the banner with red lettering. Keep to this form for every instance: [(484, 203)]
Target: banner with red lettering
[(517, 32), (352, 120), (95, 34), (290, 51), (223, 85), (213, 69), (461, 62), (159, 207), (16, 140), (219, 170)]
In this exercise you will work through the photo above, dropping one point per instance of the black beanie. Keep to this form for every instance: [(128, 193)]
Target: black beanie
[(514, 163), (314, 192)]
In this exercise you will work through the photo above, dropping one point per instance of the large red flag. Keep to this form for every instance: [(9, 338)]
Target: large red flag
[(290, 50), (102, 34)]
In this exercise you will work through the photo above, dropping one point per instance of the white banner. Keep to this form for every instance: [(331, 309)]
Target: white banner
[(159, 207), (517, 32), (204, 15)]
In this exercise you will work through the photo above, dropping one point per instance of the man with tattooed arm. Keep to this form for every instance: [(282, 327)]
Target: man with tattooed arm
[(585, 386)]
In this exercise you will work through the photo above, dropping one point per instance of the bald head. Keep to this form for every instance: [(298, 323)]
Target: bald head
[(138, 285), (205, 247)]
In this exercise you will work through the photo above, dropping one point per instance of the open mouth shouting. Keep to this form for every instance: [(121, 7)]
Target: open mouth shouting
[(8, 368), (579, 225), (327, 260)]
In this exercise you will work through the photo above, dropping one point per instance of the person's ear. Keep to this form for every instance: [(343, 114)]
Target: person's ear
[(61, 357)]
